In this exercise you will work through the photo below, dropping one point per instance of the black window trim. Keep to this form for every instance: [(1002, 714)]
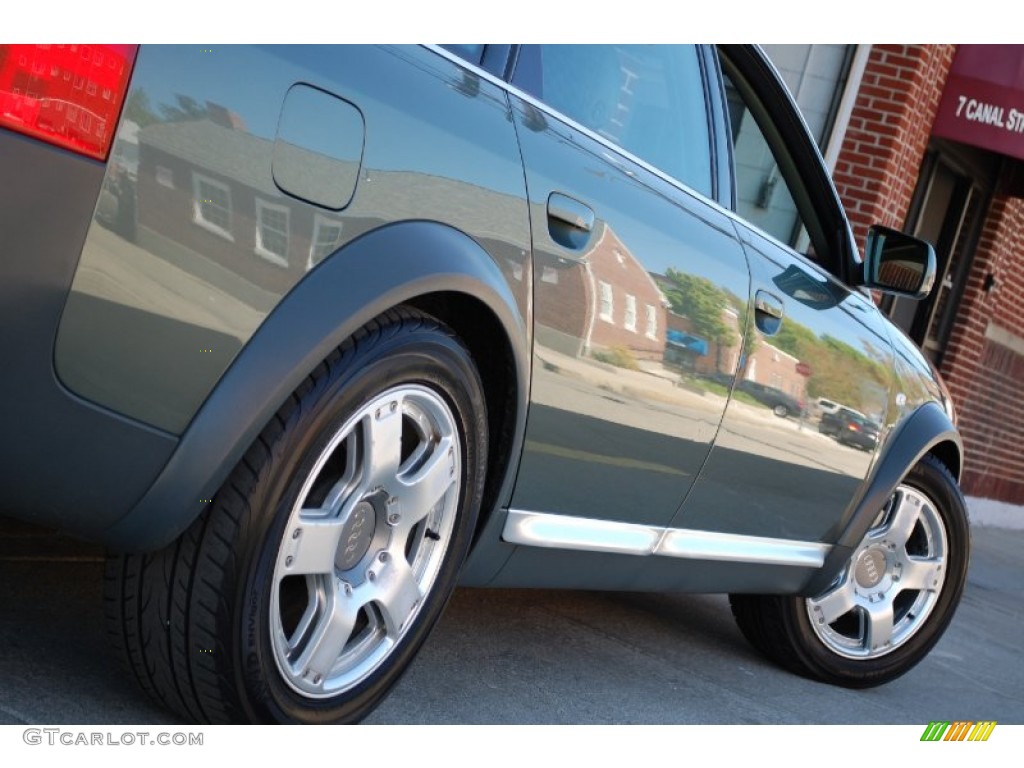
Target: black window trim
[(760, 76)]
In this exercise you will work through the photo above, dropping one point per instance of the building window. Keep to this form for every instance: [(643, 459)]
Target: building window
[(326, 239), (272, 232), (606, 302), (211, 206), (652, 322), (629, 321)]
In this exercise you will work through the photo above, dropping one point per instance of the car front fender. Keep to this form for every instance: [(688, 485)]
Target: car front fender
[(926, 429)]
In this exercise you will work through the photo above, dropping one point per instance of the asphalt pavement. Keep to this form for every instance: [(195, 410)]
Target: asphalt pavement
[(525, 656)]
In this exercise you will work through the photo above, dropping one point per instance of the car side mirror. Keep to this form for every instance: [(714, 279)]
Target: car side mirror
[(895, 262)]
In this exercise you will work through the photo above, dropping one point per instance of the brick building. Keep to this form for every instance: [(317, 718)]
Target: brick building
[(930, 139)]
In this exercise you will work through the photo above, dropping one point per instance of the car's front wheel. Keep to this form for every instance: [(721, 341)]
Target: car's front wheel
[(306, 588), (891, 602)]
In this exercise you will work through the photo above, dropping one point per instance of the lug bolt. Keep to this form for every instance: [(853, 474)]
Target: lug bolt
[(378, 413), (394, 518), (394, 406), (316, 680), (383, 557), (347, 588), (288, 561), (371, 575), (296, 533)]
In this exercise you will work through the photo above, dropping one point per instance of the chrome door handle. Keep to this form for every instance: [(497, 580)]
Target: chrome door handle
[(570, 222), (768, 312), (569, 211), (768, 304)]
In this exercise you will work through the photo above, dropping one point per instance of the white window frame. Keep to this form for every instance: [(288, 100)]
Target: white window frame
[(319, 222), (651, 331), (279, 259), (606, 308), (629, 318), (197, 206)]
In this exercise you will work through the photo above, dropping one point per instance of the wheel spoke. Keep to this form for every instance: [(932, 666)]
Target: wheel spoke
[(329, 636), (397, 594), (306, 622), (921, 574), (836, 603), (879, 625), (420, 492), (346, 486), (904, 519), (383, 444), (314, 548)]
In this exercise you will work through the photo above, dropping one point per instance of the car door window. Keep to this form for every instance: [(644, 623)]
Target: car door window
[(647, 99), (769, 191)]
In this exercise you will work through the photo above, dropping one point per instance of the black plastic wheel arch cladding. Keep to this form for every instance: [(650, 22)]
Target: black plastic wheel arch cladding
[(393, 264), (927, 429)]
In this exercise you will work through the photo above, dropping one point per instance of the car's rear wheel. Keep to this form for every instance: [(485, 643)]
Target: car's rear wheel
[(306, 588), (781, 411), (891, 602)]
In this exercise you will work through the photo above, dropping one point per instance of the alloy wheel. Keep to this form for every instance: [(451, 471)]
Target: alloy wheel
[(365, 540), (891, 584)]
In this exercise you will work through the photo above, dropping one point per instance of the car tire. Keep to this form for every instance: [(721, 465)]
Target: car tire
[(781, 411), (892, 601), (307, 586)]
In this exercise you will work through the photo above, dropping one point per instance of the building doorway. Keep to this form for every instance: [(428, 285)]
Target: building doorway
[(948, 209)]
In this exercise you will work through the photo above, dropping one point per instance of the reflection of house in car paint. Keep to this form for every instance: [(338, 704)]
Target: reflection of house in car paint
[(772, 367), (622, 305), (717, 358), (206, 188)]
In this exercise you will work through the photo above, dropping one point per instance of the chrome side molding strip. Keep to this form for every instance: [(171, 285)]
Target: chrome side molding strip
[(542, 529), (734, 547)]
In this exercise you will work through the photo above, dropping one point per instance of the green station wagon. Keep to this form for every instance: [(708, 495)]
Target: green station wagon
[(307, 336)]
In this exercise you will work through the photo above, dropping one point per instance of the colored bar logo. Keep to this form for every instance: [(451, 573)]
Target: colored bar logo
[(961, 730)]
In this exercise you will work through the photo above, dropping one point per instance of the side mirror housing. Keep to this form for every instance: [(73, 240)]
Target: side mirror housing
[(898, 263)]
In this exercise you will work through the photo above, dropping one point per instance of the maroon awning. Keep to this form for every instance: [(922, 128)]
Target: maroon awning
[(983, 101)]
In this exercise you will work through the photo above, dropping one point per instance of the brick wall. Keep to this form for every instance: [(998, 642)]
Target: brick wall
[(888, 132), (993, 425), (877, 170), (984, 374)]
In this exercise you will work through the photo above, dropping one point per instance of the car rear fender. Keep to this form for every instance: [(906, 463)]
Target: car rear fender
[(926, 429), (391, 265)]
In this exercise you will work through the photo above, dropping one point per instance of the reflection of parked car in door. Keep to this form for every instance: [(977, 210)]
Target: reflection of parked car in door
[(781, 403), (832, 423), (858, 431)]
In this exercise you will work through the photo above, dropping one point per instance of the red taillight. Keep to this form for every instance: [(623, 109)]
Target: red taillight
[(68, 95), (852, 426)]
